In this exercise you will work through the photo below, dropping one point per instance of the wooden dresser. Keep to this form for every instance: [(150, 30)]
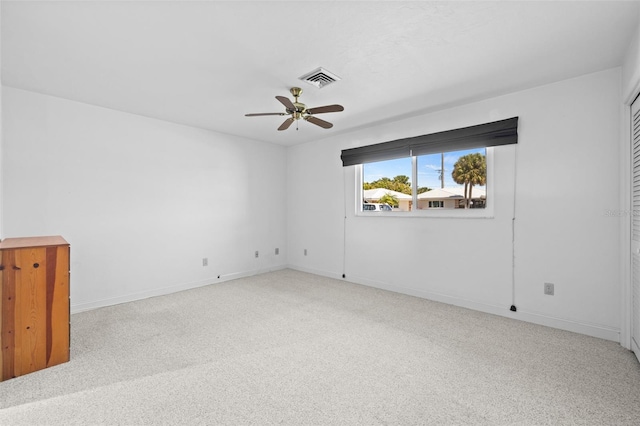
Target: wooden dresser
[(34, 304)]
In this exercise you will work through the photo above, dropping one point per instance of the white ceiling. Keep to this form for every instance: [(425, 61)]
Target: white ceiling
[(207, 63)]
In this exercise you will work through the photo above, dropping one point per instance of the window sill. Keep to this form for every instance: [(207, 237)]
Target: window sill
[(485, 213)]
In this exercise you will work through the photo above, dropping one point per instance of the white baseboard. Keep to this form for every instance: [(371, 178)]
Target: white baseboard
[(593, 330), (315, 272), (95, 304)]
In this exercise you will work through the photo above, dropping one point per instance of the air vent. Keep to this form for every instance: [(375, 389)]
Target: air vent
[(320, 78)]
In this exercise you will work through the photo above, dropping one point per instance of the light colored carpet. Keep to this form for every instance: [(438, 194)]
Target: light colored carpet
[(293, 348)]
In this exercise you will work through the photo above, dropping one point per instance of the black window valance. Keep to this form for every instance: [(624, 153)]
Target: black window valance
[(503, 132)]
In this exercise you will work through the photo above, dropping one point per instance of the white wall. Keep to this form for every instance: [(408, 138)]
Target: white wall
[(631, 69), (1, 133), (567, 178), (141, 201)]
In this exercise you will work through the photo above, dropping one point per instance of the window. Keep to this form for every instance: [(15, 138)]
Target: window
[(388, 183), (447, 180), (452, 180), (449, 172)]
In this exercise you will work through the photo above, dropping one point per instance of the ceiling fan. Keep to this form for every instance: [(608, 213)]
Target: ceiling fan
[(299, 110)]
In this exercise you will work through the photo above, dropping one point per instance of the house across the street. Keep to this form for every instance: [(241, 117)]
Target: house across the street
[(440, 198), (374, 196), (451, 198)]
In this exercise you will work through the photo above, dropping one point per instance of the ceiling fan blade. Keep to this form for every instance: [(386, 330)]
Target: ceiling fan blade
[(327, 108), (318, 122), (264, 113), (286, 102), (286, 124)]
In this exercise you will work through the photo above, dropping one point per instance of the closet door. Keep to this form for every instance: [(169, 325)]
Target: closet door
[(635, 227)]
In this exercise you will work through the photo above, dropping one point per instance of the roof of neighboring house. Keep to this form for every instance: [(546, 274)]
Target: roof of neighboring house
[(377, 193), (452, 193)]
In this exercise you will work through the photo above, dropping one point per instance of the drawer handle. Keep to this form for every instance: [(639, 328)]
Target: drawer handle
[(1, 267), (36, 265)]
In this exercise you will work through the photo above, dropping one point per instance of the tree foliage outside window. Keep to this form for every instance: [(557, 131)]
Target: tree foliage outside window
[(399, 183)]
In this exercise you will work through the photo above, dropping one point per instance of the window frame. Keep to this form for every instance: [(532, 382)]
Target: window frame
[(485, 213)]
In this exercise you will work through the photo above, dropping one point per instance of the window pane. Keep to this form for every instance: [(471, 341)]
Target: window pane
[(442, 177), (386, 185)]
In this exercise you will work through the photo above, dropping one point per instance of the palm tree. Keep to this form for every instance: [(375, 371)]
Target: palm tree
[(470, 169), (387, 198)]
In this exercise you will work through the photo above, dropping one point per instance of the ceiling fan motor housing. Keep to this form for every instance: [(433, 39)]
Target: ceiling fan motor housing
[(300, 109)]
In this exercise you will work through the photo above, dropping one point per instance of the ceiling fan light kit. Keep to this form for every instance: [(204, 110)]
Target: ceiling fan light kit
[(297, 110)]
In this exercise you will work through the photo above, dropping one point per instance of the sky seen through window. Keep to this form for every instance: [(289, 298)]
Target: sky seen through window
[(428, 168)]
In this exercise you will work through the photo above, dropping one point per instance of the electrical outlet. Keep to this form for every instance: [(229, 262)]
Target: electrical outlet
[(257, 254), (277, 251), (305, 252), (548, 289), (205, 261)]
